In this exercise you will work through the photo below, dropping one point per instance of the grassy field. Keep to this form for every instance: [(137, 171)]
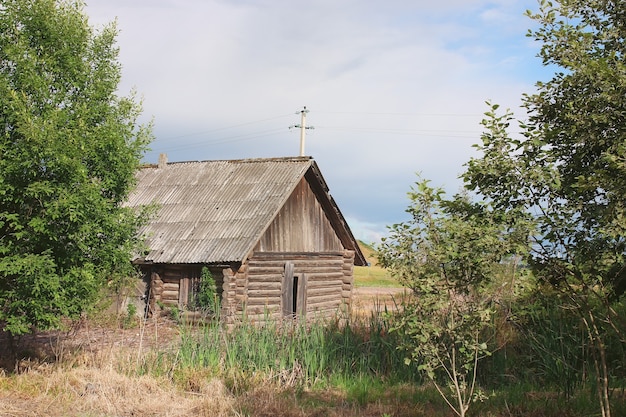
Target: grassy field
[(159, 368), (347, 367), (372, 275)]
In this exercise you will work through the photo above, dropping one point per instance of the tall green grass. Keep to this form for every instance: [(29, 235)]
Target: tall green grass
[(291, 354), (548, 345), (536, 366)]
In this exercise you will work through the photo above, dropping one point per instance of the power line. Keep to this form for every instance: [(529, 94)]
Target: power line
[(406, 114), (416, 132), (229, 139), (388, 131), (204, 132)]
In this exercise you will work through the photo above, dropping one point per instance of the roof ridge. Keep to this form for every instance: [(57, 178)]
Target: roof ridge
[(242, 160)]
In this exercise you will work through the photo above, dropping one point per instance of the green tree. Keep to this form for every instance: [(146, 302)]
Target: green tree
[(449, 253), (69, 149), (207, 298), (568, 172)]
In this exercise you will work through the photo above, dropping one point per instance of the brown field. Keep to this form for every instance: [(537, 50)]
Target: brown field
[(370, 299), (89, 371)]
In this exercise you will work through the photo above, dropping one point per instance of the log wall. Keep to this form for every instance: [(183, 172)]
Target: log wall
[(328, 284), (171, 284), (255, 289), (347, 283)]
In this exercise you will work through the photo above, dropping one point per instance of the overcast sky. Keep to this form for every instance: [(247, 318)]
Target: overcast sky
[(393, 87)]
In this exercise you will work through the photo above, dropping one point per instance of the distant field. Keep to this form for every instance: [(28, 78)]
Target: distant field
[(373, 275)]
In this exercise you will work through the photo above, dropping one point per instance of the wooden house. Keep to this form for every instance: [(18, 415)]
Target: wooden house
[(268, 230)]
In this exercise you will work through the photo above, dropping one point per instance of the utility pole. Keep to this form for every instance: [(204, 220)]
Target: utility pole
[(303, 127)]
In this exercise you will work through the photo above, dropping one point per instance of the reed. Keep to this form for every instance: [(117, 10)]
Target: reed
[(289, 354)]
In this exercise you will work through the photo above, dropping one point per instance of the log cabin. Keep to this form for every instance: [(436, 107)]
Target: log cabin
[(268, 231)]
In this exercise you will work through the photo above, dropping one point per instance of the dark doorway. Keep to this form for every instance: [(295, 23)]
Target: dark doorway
[(293, 292), (294, 299)]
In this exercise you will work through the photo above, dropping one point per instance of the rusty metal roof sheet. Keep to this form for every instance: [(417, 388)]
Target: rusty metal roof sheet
[(216, 211)]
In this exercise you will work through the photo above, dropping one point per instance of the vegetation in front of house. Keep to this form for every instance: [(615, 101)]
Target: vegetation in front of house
[(450, 254), (207, 298), (553, 201), (567, 177), (341, 369), (70, 147)]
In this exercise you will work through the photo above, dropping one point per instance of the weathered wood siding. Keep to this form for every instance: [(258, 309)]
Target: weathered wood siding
[(171, 284), (255, 289), (300, 234), (347, 284), (300, 226), (327, 291), (233, 293)]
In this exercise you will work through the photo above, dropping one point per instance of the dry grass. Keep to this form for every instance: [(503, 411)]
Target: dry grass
[(101, 380), (377, 299), (54, 391), (92, 372)]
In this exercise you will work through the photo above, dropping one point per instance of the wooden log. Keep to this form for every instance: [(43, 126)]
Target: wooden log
[(260, 309), (170, 295), (279, 266), (266, 270), (263, 302), (265, 278), (335, 272), (319, 268), (269, 264), (299, 263), (302, 262), (314, 276), (258, 286), (169, 302), (335, 266), (264, 293), (335, 283), (317, 301), (170, 286), (327, 305), (330, 286), (274, 256), (320, 298), (260, 319), (346, 294), (324, 287), (319, 283)]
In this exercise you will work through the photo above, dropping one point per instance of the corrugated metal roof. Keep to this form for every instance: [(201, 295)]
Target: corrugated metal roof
[(216, 211), (213, 211)]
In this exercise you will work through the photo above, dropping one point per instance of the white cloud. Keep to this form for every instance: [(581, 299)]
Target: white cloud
[(394, 88)]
